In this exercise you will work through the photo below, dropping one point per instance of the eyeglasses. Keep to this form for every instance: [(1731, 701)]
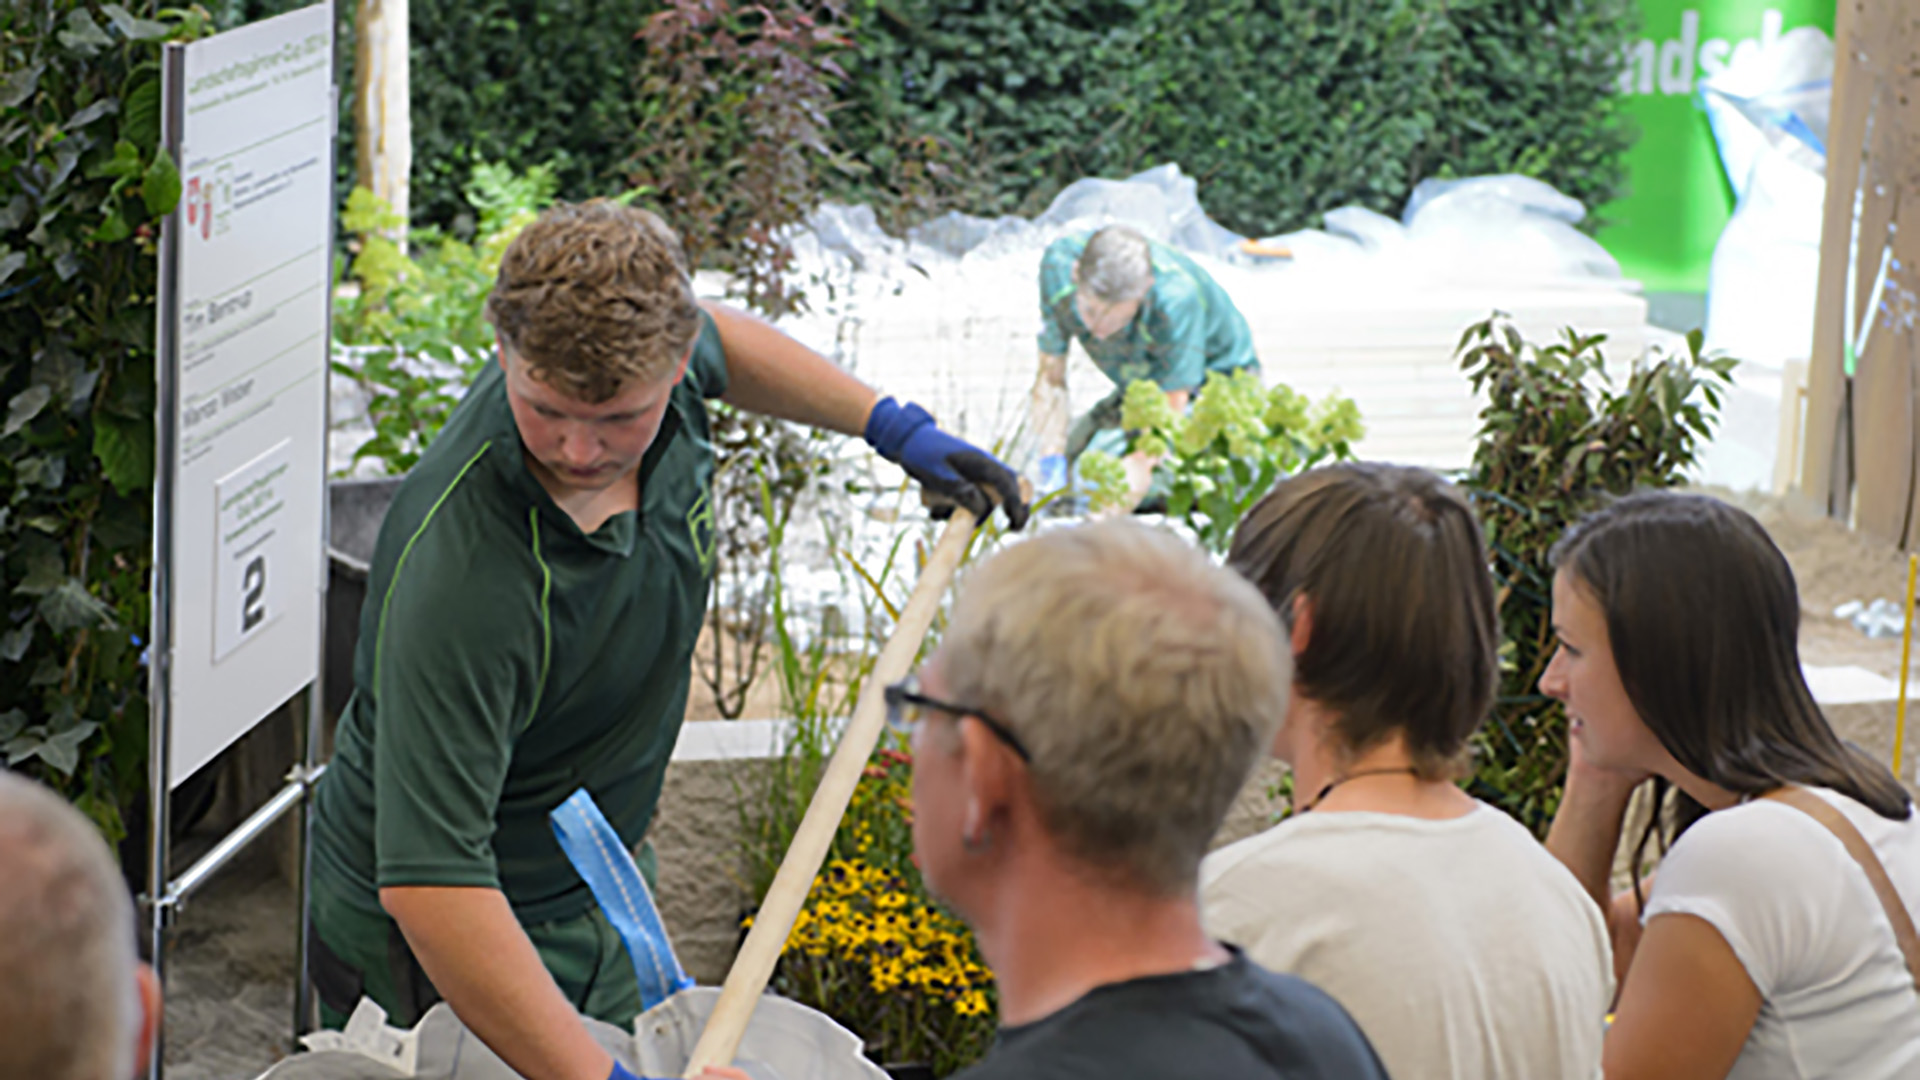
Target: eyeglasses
[(905, 703)]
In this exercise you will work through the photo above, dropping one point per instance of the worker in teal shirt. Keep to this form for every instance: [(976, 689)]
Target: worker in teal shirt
[(535, 595), (1141, 310)]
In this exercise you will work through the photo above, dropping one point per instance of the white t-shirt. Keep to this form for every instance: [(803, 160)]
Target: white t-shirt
[(1802, 918), (1462, 948)]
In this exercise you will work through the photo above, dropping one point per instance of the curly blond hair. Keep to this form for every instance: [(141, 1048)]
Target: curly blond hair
[(595, 296)]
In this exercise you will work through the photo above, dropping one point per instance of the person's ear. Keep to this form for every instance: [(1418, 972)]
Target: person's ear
[(987, 769), (1301, 621), (680, 372), (150, 1013)]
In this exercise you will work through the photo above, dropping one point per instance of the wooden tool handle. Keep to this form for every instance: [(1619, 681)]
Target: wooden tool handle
[(768, 937)]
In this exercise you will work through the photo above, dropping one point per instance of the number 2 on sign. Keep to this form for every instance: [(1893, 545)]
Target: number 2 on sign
[(253, 583)]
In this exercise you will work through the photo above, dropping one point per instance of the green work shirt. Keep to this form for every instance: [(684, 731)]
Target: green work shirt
[(1187, 325), (507, 659)]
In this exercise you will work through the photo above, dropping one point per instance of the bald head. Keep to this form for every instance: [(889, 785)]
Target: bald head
[(71, 987)]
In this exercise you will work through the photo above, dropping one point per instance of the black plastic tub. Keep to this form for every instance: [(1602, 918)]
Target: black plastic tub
[(355, 510)]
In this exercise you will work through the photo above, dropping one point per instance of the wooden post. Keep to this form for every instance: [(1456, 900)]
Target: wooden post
[(1861, 461), (1886, 389), (1823, 479), (383, 125)]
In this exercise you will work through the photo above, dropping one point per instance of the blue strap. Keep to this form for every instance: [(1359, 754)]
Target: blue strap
[(603, 862)]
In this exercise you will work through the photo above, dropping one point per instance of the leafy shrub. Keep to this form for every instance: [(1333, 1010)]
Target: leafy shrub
[(415, 327), (1557, 438), (82, 187), (1220, 458), (732, 133)]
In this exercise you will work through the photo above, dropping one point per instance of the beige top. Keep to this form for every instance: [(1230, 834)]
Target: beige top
[(1463, 949)]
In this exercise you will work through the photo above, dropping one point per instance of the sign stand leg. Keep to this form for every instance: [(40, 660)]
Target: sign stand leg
[(304, 1019)]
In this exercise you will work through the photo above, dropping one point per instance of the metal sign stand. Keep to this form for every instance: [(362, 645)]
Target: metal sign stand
[(167, 894)]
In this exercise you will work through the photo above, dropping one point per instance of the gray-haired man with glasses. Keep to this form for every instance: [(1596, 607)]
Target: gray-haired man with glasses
[(1097, 702)]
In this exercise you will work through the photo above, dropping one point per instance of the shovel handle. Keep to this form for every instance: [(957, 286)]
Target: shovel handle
[(768, 936)]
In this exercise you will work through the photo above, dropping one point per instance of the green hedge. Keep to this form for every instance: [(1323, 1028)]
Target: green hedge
[(1282, 109), (520, 82)]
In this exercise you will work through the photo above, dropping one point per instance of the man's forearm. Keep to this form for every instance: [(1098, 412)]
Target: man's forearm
[(471, 946), (1053, 370), (771, 373)]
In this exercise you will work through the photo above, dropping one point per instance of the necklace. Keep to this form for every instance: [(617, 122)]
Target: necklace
[(1334, 783)]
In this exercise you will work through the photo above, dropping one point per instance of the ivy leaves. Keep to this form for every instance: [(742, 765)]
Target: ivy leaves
[(56, 744), (82, 184)]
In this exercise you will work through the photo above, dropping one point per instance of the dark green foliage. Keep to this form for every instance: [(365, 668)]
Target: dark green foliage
[(1529, 87), (521, 82), (1282, 109), (82, 185), (1557, 438), (1036, 92), (1285, 110)]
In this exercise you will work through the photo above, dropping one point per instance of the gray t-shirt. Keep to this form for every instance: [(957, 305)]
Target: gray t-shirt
[(1237, 1020)]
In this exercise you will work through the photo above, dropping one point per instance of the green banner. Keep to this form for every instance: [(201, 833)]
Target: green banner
[(1678, 198)]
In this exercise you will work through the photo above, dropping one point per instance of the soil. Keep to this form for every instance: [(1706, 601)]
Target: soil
[(230, 974), (1832, 566)]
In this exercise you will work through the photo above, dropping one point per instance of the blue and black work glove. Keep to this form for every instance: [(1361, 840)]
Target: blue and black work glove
[(953, 471)]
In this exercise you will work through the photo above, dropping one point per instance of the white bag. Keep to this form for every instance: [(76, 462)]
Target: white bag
[(784, 1041)]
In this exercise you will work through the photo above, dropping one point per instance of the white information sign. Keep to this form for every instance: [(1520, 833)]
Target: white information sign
[(254, 109)]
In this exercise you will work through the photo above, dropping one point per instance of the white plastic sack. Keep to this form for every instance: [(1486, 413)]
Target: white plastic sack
[(1511, 231), (1163, 203), (784, 1041), (1769, 110)]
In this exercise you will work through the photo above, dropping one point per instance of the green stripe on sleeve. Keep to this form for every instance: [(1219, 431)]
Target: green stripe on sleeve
[(380, 636), (546, 620)]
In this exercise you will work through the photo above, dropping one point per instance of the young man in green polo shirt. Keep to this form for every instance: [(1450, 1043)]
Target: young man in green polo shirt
[(536, 592), (1141, 310)]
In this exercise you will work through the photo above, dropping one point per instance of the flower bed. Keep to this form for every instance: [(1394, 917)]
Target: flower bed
[(875, 951)]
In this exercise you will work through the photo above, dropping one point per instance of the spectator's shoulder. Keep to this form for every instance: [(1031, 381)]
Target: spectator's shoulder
[(1285, 854)]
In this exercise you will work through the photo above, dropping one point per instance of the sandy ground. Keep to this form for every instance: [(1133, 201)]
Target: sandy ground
[(230, 974), (1833, 565), (229, 992)]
